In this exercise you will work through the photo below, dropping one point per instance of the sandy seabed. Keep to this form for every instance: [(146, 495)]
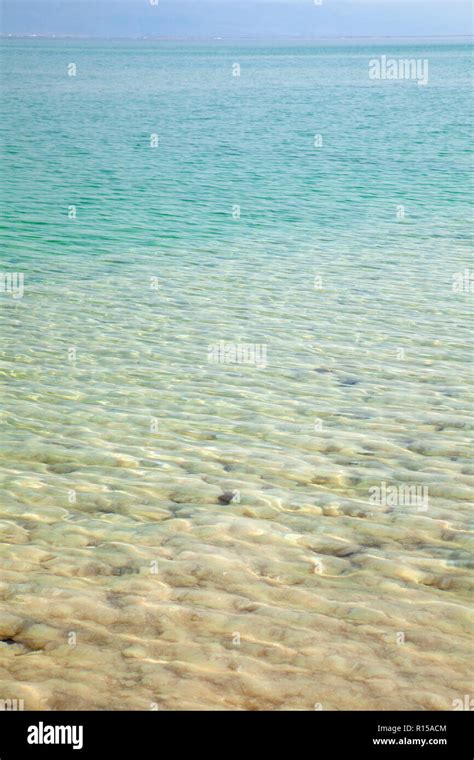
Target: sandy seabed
[(129, 577), (293, 597)]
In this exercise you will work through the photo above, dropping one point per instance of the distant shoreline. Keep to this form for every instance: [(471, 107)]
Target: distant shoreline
[(282, 38)]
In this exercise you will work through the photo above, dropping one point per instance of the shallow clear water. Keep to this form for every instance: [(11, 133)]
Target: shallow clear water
[(193, 534)]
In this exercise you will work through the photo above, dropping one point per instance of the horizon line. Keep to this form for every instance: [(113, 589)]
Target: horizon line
[(214, 38)]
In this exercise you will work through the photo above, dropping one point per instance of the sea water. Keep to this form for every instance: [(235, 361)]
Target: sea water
[(235, 298)]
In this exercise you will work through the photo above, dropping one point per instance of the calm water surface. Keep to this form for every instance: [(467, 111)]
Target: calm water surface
[(199, 534)]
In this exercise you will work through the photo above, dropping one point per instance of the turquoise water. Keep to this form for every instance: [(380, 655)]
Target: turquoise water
[(157, 503)]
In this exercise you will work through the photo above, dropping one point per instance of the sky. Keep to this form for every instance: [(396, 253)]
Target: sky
[(236, 18)]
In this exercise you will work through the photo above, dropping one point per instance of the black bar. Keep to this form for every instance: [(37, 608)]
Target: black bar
[(138, 734)]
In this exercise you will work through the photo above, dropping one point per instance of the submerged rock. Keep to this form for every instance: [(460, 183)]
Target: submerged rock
[(229, 497)]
